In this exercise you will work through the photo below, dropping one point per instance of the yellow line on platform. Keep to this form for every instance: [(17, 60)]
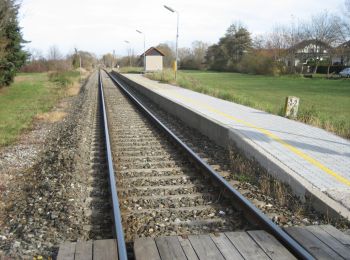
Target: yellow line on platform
[(290, 147)]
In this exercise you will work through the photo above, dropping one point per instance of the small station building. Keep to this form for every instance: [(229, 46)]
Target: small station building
[(154, 59)]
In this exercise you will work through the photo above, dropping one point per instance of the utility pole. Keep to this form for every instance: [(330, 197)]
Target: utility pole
[(114, 60), (177, 35), (129, 52), (144, 49)]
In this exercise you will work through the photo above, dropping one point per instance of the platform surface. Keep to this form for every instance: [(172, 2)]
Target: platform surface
[(319, 158), (89, 250), (322, 242)]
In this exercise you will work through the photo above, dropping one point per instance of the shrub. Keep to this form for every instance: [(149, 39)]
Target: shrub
[(36, 66), (257, 63), (62, 79)]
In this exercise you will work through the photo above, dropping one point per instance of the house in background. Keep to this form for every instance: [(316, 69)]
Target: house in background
[(307, 50), (154, 59), (342, 54), (308, 55)]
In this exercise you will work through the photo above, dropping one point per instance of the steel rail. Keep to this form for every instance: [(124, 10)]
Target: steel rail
[(118, 227), (251, 212)]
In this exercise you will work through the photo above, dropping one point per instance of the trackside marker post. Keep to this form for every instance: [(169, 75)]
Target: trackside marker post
[(291, 107)]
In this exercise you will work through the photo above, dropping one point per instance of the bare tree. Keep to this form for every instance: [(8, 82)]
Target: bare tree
[(54, 53), (184, 53), (56, 61), (169, 53), (281, 42), (325, 27), (259, 41), (277, 42), (108, 60), (199, 50), (35, 54), (346, 19)]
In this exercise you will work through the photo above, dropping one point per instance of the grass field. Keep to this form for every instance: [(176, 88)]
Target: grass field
[(323, 103), (31, 94)]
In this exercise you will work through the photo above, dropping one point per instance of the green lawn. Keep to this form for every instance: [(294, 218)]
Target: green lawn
[(29, 95), (324, 103)]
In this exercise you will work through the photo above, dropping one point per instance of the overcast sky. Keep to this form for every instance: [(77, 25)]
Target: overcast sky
[(101, 26)]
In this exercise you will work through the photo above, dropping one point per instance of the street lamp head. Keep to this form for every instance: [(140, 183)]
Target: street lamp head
[(138, 31), (169, 8), (127, 41), (177, 34)]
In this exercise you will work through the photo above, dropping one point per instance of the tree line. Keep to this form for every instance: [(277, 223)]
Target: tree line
[(54, 60), (14, 58), (239, 51)]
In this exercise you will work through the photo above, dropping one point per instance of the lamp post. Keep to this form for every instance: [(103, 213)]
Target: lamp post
[(144, 50), (177, 33), (129, 52)]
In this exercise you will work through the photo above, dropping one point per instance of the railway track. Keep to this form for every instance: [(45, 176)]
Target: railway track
[(99, 211), (161, 192), (162, 187)]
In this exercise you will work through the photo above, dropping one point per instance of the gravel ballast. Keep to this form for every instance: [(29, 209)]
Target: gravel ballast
[(45, 204)]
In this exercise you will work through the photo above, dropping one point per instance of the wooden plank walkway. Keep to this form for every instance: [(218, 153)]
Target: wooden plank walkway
[(220, 246), (323, 242), (89, 250)]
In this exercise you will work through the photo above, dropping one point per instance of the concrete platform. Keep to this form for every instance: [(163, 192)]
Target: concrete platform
[(314, 162), (322, 242)]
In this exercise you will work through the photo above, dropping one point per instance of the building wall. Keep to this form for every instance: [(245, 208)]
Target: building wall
[(154, 63)]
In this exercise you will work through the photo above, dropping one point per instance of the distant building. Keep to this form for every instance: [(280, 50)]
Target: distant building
[(154, 59), (307, 50), (317, 52), (342, 54)]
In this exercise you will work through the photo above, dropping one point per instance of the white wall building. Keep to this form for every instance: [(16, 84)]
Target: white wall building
[(154, 59)]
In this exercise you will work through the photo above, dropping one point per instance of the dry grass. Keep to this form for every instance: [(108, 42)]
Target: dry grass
[(248, 170), (51, 117), (23, 78), (3, 90), (73, 89)]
